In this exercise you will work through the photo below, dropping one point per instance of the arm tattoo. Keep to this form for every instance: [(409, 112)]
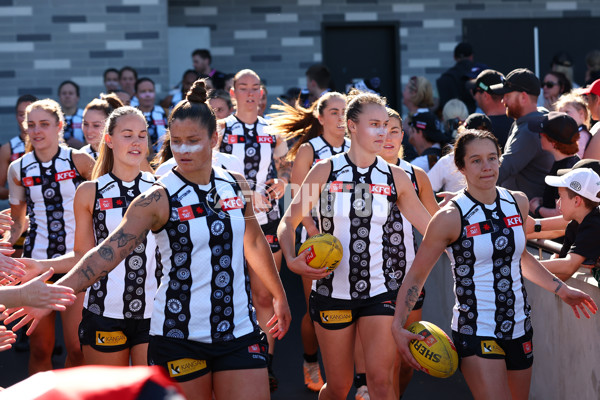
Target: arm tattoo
[(88, 272), (106, 252), (284, 168), (145, 201), (412, 295), (122, 238), (555, 279)]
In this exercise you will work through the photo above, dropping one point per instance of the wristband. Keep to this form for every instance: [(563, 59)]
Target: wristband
[(538, 226)]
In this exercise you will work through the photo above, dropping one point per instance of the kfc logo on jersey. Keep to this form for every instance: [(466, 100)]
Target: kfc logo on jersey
[(515, 220), (233, 203), (264, 139), (380, 189), (65, 175)]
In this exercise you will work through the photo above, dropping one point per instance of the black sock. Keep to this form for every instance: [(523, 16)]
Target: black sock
[(360, 380), (311, 358)]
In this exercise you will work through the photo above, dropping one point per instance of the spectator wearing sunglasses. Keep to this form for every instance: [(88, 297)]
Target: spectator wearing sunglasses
[(553, 86)]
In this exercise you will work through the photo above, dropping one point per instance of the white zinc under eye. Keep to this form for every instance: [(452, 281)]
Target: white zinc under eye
[(186, 148), (377, 131)]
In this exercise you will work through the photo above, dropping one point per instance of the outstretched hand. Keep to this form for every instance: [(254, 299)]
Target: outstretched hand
[(579, 301), (280, 322)]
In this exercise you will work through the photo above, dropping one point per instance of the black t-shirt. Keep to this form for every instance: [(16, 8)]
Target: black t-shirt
[(582, 239), (501, 125), (550, 192)]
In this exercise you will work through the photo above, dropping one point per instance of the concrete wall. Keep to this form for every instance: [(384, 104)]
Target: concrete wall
[(566, 349)]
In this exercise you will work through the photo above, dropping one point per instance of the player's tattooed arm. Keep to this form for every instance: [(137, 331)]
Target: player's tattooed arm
[(106, 252), (146, 200), (122, 238), (284, 168)]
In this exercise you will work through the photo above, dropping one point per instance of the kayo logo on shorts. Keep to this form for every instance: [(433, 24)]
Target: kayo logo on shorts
[(336, 316), (185, 366), (491, 347), (117, 338)]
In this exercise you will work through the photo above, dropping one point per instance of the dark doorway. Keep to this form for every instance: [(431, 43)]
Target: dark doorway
[(505, 44), (364, 50)]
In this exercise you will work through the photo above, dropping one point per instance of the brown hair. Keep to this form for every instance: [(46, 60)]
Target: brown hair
[(421, 92), (567, 149), (299, 122), (465, 138), (589, 204), (195, 107), (356, 100), (106, 158), (394, 114), (107, 103), (51, 107)]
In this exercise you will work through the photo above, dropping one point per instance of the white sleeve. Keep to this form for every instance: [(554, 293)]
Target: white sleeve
[(16, 191), (436, 175)]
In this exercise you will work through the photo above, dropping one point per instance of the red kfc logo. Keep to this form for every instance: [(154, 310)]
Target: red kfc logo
[(233, 203), (265, 139), (380, 189), (65, 175), (185, 213), (515, 220)]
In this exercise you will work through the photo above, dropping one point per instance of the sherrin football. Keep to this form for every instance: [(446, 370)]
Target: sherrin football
[(325, 251), (436, 353)]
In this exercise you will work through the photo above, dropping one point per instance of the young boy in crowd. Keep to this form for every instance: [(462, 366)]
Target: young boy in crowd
[(579, 191)]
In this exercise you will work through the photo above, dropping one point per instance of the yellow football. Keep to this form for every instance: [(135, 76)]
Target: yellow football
[(325, 251), (436, 353)]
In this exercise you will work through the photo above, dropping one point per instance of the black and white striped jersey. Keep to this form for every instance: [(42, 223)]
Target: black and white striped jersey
[(73, 125), (157, 126), (127, 292), (204, 293), (49, 192), (322, 149), (17, 148), (254, 147), (399, 239), (355, 207), (88, 149), (486, 261)]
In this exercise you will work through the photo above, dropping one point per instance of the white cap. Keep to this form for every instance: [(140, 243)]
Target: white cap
[(583, 181)]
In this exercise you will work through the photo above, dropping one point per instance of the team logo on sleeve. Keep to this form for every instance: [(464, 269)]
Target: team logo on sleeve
[(515, 220), (190, 212), (113, 202), (65, 175), (32, 181), (480, 228)]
